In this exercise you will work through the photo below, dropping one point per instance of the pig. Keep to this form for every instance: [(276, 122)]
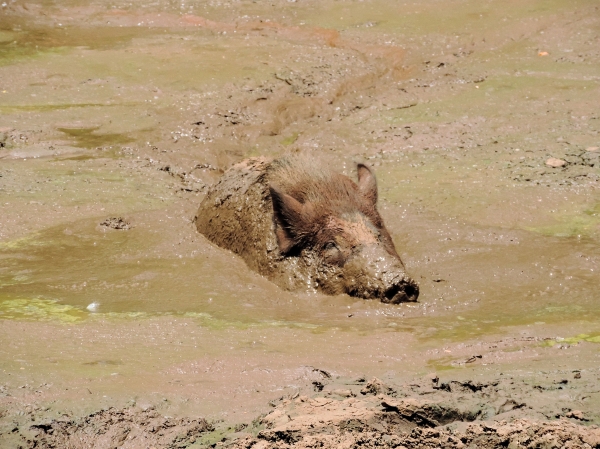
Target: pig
[(304, 226)]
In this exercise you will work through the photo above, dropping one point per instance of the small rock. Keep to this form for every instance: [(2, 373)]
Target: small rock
[(93, 307), (577, 376), (116, 223), (577, 414), (276, 418), (343, 393), (592, 149), (375, 387), (556, 163), (473, 358)]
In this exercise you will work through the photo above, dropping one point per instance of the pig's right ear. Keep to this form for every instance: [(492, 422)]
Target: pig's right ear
[(367, 184), (288, 215)]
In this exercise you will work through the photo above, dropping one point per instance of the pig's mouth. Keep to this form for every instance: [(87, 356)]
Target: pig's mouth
[(401, 293)]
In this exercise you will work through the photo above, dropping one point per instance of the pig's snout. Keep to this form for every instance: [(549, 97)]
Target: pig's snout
[(374, 273), (404, 291), (393, 284)]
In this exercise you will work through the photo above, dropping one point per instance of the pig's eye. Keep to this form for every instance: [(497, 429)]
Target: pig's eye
[(330, 246), (332, 254)]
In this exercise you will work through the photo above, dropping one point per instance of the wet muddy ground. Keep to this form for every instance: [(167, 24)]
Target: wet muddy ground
[(481, 122)]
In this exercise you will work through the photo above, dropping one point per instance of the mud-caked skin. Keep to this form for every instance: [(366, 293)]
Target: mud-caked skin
[(303, 225)]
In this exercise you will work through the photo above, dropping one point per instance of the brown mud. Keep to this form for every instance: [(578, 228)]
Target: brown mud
[(118, 320), (425, 413)]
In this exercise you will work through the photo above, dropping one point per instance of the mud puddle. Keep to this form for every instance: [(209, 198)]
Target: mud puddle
[(476, 279), (116, 117)]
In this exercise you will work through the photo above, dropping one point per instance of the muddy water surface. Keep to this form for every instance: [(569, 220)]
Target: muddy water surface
[(122, 110)]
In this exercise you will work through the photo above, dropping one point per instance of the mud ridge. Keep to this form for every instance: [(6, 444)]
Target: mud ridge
[(518, 434), (126, 428), (510, 411), (424, 414)]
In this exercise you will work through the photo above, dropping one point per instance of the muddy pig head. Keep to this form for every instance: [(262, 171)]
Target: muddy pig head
[(337, 229)]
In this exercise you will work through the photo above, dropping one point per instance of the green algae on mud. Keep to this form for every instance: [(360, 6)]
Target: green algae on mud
[(582, 223), (20, 41), (39, 309), (83, 264), (87, 138), (7, 109), (456, 190), (473, 327), (427, 17), (29, 240), (591, 338), (86, 265)]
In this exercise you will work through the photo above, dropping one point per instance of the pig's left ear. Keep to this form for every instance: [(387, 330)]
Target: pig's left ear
[(291, 219), (367, 184)]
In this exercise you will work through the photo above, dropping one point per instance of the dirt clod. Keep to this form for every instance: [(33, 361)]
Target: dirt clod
[(116, 223), (376, 386)]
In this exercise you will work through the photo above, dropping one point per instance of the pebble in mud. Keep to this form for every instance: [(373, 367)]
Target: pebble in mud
[(116, 223), (93, 307), (555, 162)]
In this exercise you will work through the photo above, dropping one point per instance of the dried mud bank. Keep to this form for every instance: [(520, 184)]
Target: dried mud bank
[(522, 433), (126, 428), (430, 412)]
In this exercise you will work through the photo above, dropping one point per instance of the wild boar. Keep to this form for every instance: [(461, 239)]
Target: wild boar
[(302, 225)]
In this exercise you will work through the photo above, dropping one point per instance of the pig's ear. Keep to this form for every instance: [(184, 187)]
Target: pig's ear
[(289, 216), (367, 184)]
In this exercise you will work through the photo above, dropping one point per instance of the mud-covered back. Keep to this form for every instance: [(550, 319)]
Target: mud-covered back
[(236, 213)]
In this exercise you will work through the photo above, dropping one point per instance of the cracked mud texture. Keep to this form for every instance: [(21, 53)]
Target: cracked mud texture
[(426, 413), (130, 111), (433, 411), (422, 413), (111, 428)]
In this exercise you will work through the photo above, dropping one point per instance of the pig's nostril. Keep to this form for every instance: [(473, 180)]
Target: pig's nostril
[(411, 291), (391, 293)]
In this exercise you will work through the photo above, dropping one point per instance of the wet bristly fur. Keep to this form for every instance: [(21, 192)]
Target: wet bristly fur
[(324, 194)]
